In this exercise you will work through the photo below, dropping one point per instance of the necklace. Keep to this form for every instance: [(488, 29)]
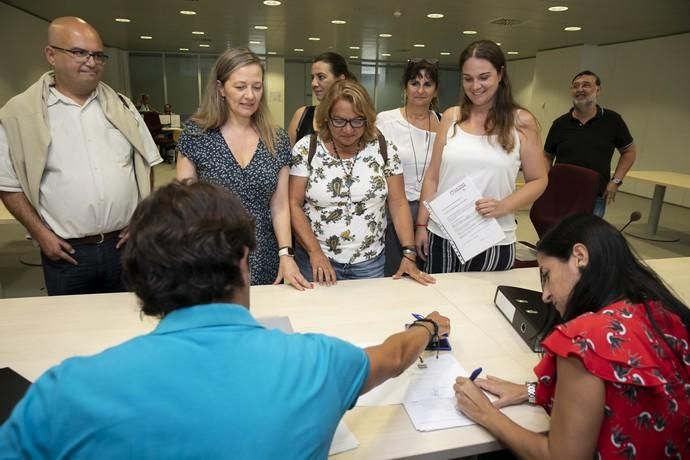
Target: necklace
[(349, 179), (419, 178)]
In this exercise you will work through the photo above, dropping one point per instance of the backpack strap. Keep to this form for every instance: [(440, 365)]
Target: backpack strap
[(383, 147), (312, 148)]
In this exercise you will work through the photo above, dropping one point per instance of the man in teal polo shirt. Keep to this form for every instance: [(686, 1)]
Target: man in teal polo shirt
[(209, 382)]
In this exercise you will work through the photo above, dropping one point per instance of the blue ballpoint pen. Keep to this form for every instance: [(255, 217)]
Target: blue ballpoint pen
[(475, 373)]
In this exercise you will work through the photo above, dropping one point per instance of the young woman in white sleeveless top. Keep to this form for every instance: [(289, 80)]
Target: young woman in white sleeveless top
[(486, 139)]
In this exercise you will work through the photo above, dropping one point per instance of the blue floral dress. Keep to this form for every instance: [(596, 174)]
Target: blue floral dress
[(254, 185)]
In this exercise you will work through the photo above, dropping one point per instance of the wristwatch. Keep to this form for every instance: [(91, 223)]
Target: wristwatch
[(531, 392), (617, 181), (286, 251)]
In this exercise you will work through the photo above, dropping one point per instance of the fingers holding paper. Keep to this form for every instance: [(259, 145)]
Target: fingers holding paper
[(490, 207)]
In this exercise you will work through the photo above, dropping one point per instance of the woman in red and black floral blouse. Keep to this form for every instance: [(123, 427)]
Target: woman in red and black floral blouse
[(616, 374)]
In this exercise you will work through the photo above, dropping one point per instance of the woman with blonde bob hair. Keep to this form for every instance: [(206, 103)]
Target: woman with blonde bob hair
[(340, 182), (232, 141)]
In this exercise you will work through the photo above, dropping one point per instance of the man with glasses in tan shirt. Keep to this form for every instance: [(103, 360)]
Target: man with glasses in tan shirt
[(75, 160)]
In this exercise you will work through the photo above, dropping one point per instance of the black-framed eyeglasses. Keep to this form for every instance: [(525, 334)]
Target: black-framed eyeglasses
[(82, 55), (354, 122)]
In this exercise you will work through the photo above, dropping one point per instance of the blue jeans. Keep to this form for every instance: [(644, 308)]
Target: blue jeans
[(599, 206), (99, 270), (372, 268)]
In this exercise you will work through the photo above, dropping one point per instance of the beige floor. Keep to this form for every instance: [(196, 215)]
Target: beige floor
[(20, 280)]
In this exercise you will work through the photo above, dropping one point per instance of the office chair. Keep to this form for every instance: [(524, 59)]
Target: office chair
[(163, 140), (571, 190)]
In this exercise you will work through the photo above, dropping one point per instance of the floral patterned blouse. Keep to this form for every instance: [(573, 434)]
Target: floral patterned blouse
[(647, 399), (345, 200)]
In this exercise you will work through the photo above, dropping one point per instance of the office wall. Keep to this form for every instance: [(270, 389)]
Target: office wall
[(23, 38), (647, 82), (522, 81)]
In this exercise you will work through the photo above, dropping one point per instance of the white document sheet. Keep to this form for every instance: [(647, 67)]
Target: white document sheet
[(468, 231), (281, 323), (434, 379), (435, 414), (343, 440)]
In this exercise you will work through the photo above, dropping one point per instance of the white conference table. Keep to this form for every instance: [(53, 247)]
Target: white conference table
[(661, 180), (36, 333)]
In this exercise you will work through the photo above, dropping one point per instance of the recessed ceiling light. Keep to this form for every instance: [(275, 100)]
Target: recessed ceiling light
[(145, 37), (385, 35), (198, 32), (353, 57), (204, 45), (188, 12), (271, 3), (261, 27), (314, 39), (469, 32), (122, 20), (386, 54), (572, 28), (254, 42), (434, 15), (271, 52), (355, 48), (444, 53), (338, 21), (184, 49), (299, 50), (558, 8), (512, 52), (418, 45)]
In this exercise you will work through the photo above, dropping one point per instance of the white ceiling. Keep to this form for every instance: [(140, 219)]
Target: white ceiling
[(231, 22)]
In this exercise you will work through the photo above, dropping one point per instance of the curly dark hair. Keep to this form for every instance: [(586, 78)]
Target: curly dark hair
[(185, 247)]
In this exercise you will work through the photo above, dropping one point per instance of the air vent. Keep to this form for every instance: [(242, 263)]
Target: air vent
[(506, 22)]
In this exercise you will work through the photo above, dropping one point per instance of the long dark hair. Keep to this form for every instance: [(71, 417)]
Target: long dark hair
[(613, 273), (500, 120), (337, 64)]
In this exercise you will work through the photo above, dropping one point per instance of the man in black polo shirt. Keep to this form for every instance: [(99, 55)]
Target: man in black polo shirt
[(587, 136)]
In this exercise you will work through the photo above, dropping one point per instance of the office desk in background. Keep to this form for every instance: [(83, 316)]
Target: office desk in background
[(37, 333), (660, 179), (176, 132)]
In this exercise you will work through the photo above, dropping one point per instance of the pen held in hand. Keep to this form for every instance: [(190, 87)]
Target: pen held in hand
[(475, 373)]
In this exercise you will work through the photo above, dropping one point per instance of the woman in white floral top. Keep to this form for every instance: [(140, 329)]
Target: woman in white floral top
[(338, 197)]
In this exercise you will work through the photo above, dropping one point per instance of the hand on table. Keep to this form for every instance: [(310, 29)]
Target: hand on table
[(509, 393), (289, 272), (408, 267)]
